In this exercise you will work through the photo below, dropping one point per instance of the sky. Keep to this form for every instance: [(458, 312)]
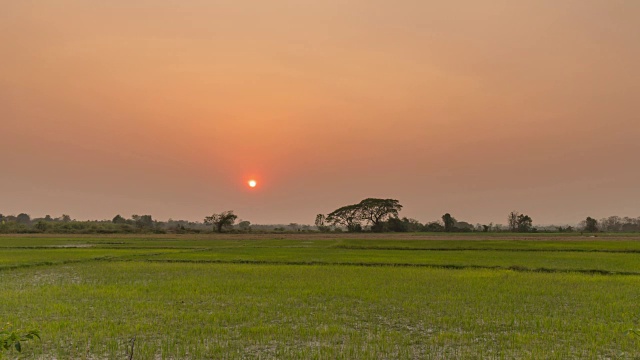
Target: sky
[(169, 107)]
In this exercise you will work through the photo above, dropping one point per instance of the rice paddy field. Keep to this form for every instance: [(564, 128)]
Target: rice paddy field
[(312, 296)]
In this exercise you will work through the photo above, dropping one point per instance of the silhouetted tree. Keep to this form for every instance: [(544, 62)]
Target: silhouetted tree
[(375, 211), (320, 218), (612, 223), (396, 224), (434, 227), (405, 224), (412, 225), (219, 221), (449, 222), (512, 221), (41, 226), (372, 210), (462, 226), (591, 225), (23, 219), (524, 223), (119, 220), (244, 225), (348, 216), (143, 221)]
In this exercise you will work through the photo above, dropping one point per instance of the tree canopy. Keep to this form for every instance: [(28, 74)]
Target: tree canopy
[(348, 216), (449, 222), (221, 220), (371, 211), (591, 224), (375, 211)]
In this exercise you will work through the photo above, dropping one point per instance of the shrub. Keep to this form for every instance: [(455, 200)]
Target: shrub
[(13, 339)]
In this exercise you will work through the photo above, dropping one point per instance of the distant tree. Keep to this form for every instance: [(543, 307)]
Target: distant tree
[(320, 219), (565, 229), (23, 219), (221, 220), (524, 223), (348, 216), (412, 225), (612, 223), (375, 211), (512, 221), (119, 220), (244, 225), (41, 226), (462, 226), (591, 225), (64, 218), (294, 226), (143, 221), (449, 222), (434, 227), (396, 224)]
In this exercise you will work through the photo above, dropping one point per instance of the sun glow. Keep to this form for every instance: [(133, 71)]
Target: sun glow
[(252, 183)]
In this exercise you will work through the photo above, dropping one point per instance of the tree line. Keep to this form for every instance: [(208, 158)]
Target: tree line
[(368, 215), (23, 223), (382, 215)]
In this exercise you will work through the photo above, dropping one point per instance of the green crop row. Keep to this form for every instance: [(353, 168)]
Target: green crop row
[(12, 258), (521, 260)]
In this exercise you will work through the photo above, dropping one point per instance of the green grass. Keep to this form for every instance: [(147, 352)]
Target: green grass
[(520, 260), (515, 244), (13, 258), (320, 298)]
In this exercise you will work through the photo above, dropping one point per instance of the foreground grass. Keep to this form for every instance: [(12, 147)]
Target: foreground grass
[(278, 311), (321, 298)]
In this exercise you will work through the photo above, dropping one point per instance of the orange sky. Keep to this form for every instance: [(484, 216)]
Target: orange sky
[(166, 107)]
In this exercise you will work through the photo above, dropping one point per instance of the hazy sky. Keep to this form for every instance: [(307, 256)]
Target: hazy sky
[(168, 107)]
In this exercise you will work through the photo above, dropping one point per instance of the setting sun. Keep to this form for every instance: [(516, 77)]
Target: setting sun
[(252, 183)]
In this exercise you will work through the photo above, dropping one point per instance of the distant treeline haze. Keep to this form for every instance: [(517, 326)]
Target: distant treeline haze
[(369, 215)]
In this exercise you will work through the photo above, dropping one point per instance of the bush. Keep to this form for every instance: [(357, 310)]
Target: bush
[(13, 339)]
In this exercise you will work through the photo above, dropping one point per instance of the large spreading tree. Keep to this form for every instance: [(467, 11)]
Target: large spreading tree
[(376, 211), (371, 211), (348, 216)]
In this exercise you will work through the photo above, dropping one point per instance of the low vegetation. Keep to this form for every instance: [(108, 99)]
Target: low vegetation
[(312, 297), (12, 340)]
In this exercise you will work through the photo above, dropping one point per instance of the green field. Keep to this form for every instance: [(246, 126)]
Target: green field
[(325, 297)]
